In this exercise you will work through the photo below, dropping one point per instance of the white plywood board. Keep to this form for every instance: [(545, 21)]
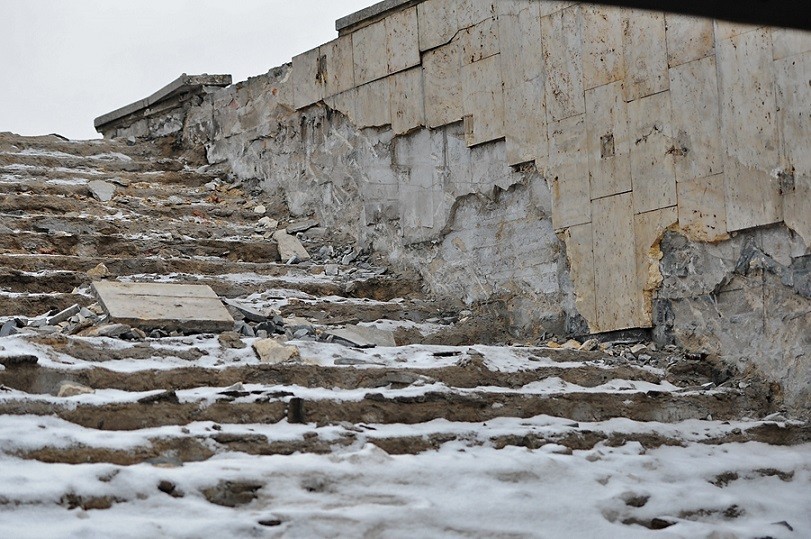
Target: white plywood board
[(645, 49), (562, 42), (653, 173), (568, 172), (442, 79), (608, 140)]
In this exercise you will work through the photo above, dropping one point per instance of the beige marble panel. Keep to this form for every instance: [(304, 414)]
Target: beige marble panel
[(472, 12), (645, 49), (407, 111), (344, 103), (702, 208), (788, 42), (749, 130), (369, 53), (698, 150), (480, 41), (442, 78), (648, 231), (520, 43), (792, 76), (550, 7), (726, 29), (568, 171), (483, 101), (308, 82), (617, 294), (437, 22), (562, 42), (688, 38), (603, 59), (653, 173), (579, 251), (525, 123), (340, 75), (609, 144), (372, 105), (402, 40)]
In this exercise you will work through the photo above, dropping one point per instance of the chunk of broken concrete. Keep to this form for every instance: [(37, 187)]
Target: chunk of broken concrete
[(231, 339), (250, 314), (71, 389), (107, 330), (8, 329), (170, 307), (63, 316), (101, 190), (363, 336), (99, 272), (301, 226), (272, 351), (290, 248)]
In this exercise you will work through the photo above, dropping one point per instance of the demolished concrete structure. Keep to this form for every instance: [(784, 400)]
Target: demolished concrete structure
[(593, 169)]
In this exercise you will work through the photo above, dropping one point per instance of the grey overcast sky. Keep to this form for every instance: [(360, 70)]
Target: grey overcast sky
[(65, 62)]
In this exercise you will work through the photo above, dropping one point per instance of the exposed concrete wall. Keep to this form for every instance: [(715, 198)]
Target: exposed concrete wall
[(479, 141)]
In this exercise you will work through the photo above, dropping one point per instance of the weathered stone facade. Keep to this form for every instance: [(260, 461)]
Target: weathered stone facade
[(478, 142)]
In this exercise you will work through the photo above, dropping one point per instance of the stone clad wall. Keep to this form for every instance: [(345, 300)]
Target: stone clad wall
[(478, 141)]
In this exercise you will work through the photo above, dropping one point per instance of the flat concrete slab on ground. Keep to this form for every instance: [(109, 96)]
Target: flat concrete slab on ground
[(171, 307)]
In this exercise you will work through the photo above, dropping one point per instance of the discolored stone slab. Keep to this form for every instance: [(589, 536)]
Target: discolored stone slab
[(191, 308)]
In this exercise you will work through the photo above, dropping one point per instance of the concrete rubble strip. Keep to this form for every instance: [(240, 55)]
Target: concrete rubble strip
[(170, 307)]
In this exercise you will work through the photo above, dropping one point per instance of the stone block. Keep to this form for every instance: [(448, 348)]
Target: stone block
[(615, 282), (370, 53), (437, 23), (688, 38), (792, 76), (748, 122), (340, 72), (608, 141), (171, 307), (788, 42), (372, 107), (344, 103), (550, 7), (603, 59), (402, 40), (483, 101), (407, 110), (694, 99), (562, 43), (480, 41), (525, 122), (470, 12), (442, 81), (580, 253), (653, 173), (519, 35), (568, 171), (309, 69), (648, 231), (290, 247), (702, 208), (727, 29), (645, 49)]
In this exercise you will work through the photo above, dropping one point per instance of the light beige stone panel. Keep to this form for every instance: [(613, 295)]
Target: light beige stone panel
[(525, 123), (788, 42), (645, 49), (442, 79), (472, 12), (308, 81), (562, 42), (372, 105), (369, 53), (548, 8), (688, 38), (484, 101), (580, 252), (608, 145), (340, 75), (568, 171), (345, 104), (697, 151), (616, 292), (407, 111), (480, 41), (702, 208), (792, 76), (402, 40), (648, 231), (437, 22), (603, 59), (520, 44), (653, 173), (726, 29), (749, 131)]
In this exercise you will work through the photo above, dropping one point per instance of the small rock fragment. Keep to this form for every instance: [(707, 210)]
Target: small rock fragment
[(272, 351), (301, 226), (8, 329), (108, 330), (71, 389), (231, 339), (571, 344), (65, 315), (101, 190), (589, 345), (290, 247), (260, 209), (99, 272), (363, 336), (637, 348)]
